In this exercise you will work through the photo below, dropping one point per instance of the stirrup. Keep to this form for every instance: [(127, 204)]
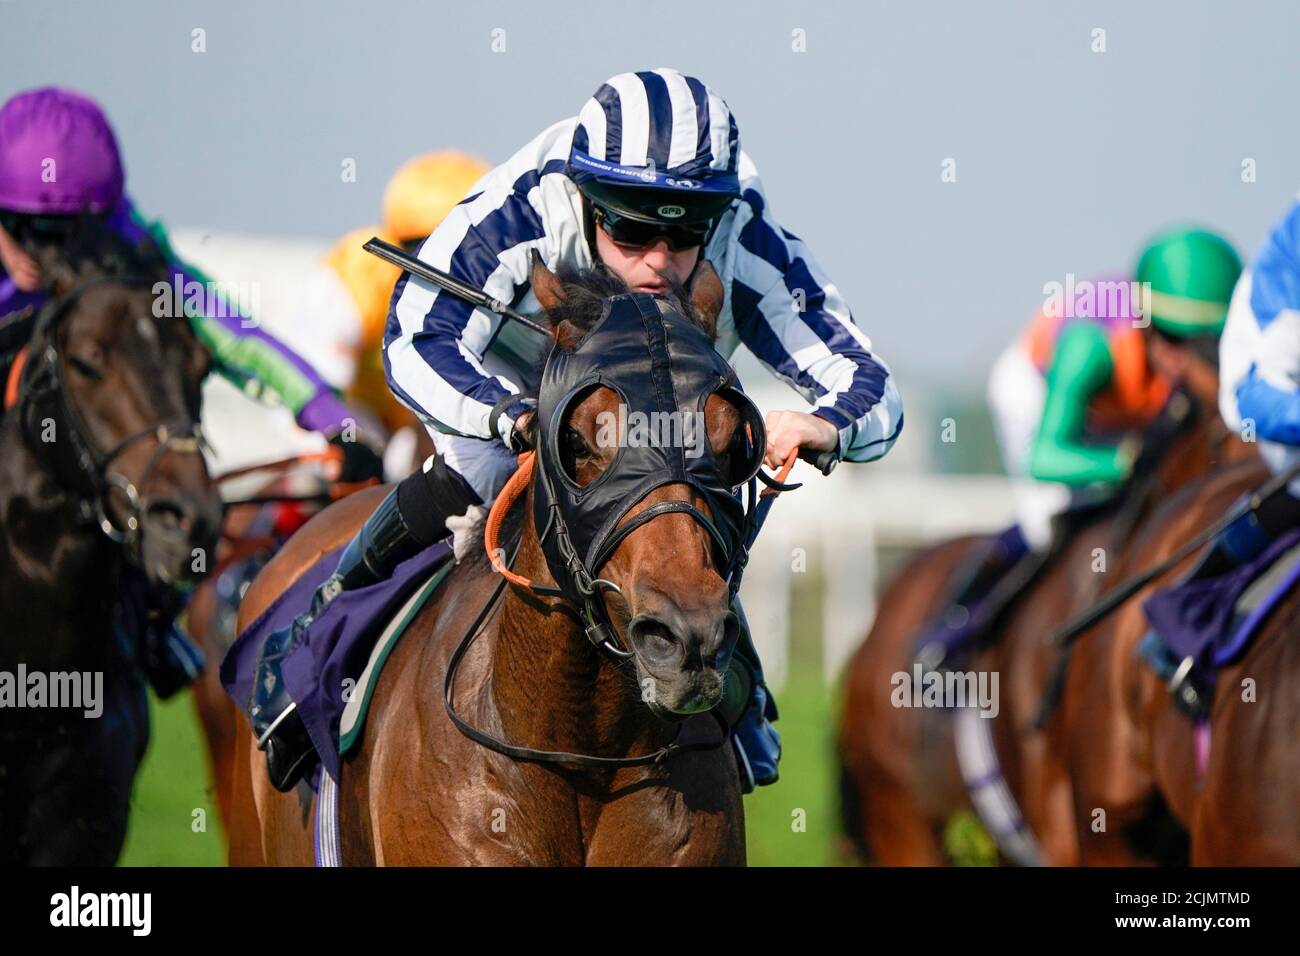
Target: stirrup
[(271, 728)]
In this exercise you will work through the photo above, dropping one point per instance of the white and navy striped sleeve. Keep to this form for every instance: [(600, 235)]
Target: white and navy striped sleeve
[(794, 320), (434, 342)]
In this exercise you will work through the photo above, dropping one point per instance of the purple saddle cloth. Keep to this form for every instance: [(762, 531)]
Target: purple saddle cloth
[(324, 667), (1200, 620)]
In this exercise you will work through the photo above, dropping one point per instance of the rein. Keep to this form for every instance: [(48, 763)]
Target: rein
[(511, 493)]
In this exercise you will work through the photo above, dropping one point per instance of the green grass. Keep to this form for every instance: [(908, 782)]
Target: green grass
[(172, 785), (795, 821)]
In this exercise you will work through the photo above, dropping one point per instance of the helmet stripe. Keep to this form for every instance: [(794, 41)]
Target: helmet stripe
[(702, 123), (635, 131), (684, 139), (720, 127), (608, 99), (1186, 310), (660, 109), (589, 137)]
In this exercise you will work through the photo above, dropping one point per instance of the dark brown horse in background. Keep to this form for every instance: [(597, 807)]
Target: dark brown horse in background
[(99, 471), (900, 778), (419, 792)]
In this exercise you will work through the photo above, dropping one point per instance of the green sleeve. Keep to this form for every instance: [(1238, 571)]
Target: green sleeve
[(1081, 367), (243, 354)]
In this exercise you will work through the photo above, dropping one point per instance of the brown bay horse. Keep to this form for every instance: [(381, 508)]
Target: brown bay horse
[(1248, 807), (900, 778), (1131, 753), (421, 792), (100, 480)]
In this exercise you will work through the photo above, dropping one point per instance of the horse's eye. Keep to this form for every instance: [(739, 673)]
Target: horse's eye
[(574, 443), (85, 368)]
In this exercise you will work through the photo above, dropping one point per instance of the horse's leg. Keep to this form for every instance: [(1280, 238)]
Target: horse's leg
[(1030, 757), (81, 788), (693, 818), (900, 765), (243, 832)]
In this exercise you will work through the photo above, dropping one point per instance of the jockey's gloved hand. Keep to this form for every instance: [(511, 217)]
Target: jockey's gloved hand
[(362, 456)]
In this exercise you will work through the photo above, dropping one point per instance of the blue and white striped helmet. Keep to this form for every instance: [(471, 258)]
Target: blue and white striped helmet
[(654, 136)]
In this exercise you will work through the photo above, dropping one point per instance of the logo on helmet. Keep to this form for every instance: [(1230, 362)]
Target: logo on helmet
[(671, 212)]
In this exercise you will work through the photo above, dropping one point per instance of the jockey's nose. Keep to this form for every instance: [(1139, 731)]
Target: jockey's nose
[(672, 636), (656, 255)]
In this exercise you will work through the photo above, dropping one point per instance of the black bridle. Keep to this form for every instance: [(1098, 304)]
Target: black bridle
[(84, 469)]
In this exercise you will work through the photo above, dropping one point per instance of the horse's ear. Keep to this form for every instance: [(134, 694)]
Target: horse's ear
[(706, 295), (546, 284)]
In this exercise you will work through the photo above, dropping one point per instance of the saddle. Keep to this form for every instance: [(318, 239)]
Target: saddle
[(1200, 627), (332, 672)]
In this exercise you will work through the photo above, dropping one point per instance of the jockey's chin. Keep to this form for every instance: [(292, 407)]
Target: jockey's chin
[(649, 268)]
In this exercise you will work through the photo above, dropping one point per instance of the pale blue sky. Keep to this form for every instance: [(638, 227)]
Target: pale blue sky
[(1066, 158)]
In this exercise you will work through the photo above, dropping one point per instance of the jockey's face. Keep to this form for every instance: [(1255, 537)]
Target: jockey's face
[(19, 266), (647, 268)]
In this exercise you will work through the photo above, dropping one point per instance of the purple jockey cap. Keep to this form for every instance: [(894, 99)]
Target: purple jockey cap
[(58, 154)]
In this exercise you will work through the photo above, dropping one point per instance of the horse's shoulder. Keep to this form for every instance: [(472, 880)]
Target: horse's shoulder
[(325, 532)]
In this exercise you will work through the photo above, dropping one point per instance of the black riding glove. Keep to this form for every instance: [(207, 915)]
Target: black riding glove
[(362, 459)]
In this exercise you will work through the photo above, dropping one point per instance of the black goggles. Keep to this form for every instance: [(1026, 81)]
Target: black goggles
[(637, 233), (48, 229)]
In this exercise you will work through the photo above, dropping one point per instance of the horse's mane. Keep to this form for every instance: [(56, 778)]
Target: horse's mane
[(585, 293)]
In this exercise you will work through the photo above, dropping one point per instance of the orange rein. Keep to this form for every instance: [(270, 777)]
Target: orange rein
[(15, 377), (518, 484)]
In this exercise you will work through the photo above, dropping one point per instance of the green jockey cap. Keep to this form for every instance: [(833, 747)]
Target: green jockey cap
[(1190, 274)]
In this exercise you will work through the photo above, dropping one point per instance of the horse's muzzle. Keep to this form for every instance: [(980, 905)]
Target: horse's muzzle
[(684, 655), (178, 538)]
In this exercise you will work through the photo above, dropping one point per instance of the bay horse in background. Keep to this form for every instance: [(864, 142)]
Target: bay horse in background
[(900, 778), (1132, 759), (100, 478), (420, 792)]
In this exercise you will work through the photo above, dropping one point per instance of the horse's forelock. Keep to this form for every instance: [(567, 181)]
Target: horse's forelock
[(585, 293)]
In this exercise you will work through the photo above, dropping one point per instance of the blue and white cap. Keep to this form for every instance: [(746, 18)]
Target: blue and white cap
[(654, 137)]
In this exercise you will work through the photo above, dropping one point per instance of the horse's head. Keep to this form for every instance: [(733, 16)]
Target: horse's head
[(110, 405), (643, 435)]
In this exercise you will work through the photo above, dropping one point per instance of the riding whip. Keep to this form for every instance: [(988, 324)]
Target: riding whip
[(476, 297)]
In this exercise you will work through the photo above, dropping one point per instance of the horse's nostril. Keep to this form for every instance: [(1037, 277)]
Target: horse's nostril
[(169, 516), (653, 638)]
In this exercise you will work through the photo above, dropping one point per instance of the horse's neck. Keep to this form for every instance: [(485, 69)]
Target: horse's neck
[(1208, 443), (553, 689), (56, 571)]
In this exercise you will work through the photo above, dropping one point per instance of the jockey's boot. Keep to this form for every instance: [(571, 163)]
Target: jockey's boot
[(171, 660), (749, 709), (411, 518), (1248, 536)]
